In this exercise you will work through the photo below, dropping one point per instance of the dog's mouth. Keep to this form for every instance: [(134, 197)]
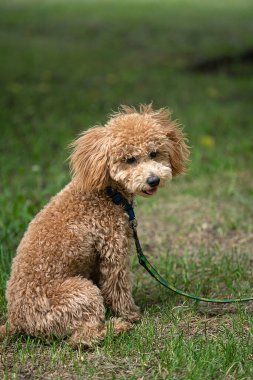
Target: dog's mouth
[(150, 191)]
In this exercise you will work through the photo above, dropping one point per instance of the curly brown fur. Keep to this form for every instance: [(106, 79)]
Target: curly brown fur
[(74, 257)]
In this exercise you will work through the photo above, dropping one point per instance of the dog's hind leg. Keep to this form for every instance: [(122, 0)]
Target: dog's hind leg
[(59, 309), (73, 307)]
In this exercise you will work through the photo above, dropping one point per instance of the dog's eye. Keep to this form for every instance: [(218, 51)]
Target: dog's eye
[(153, 154), (131, 160)]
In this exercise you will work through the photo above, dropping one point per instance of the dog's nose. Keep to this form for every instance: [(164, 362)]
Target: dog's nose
[(153, 181)]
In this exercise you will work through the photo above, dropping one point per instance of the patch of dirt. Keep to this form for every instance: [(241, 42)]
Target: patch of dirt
[(212, 309), (44, 363), (189, 225), (183, 223), (204, 326), (223, 63), (17, 363)]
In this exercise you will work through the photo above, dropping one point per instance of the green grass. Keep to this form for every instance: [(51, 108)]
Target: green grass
[(64, 66)]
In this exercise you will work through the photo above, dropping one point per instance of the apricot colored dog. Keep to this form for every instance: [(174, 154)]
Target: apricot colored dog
[(74, 257)]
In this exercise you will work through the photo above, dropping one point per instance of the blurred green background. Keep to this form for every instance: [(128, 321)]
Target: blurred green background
[(66, 64)]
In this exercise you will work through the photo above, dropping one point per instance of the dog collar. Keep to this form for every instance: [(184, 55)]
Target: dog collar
[(118, 199)]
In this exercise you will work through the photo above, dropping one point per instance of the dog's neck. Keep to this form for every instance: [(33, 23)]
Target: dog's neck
[(117, 187), (113, 184)]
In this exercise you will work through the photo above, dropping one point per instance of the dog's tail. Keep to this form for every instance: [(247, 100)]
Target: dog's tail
[(6, 330)]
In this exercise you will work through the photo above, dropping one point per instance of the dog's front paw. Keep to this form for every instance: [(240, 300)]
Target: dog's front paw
[(133, 315)]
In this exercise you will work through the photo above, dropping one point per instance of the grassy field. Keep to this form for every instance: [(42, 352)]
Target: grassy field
[(64, 66)]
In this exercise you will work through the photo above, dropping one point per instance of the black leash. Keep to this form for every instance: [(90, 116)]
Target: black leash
[(118, 199)]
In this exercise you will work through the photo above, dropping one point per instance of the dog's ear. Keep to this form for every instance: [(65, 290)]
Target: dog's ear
[(178, 148), (89, 160)]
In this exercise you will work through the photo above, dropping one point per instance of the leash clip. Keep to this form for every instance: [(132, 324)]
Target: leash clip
[(133, 224)]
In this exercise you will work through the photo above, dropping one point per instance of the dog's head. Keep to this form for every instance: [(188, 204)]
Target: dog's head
[(139, 150)]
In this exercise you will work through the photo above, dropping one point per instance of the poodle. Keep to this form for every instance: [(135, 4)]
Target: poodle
[(73, 260)]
